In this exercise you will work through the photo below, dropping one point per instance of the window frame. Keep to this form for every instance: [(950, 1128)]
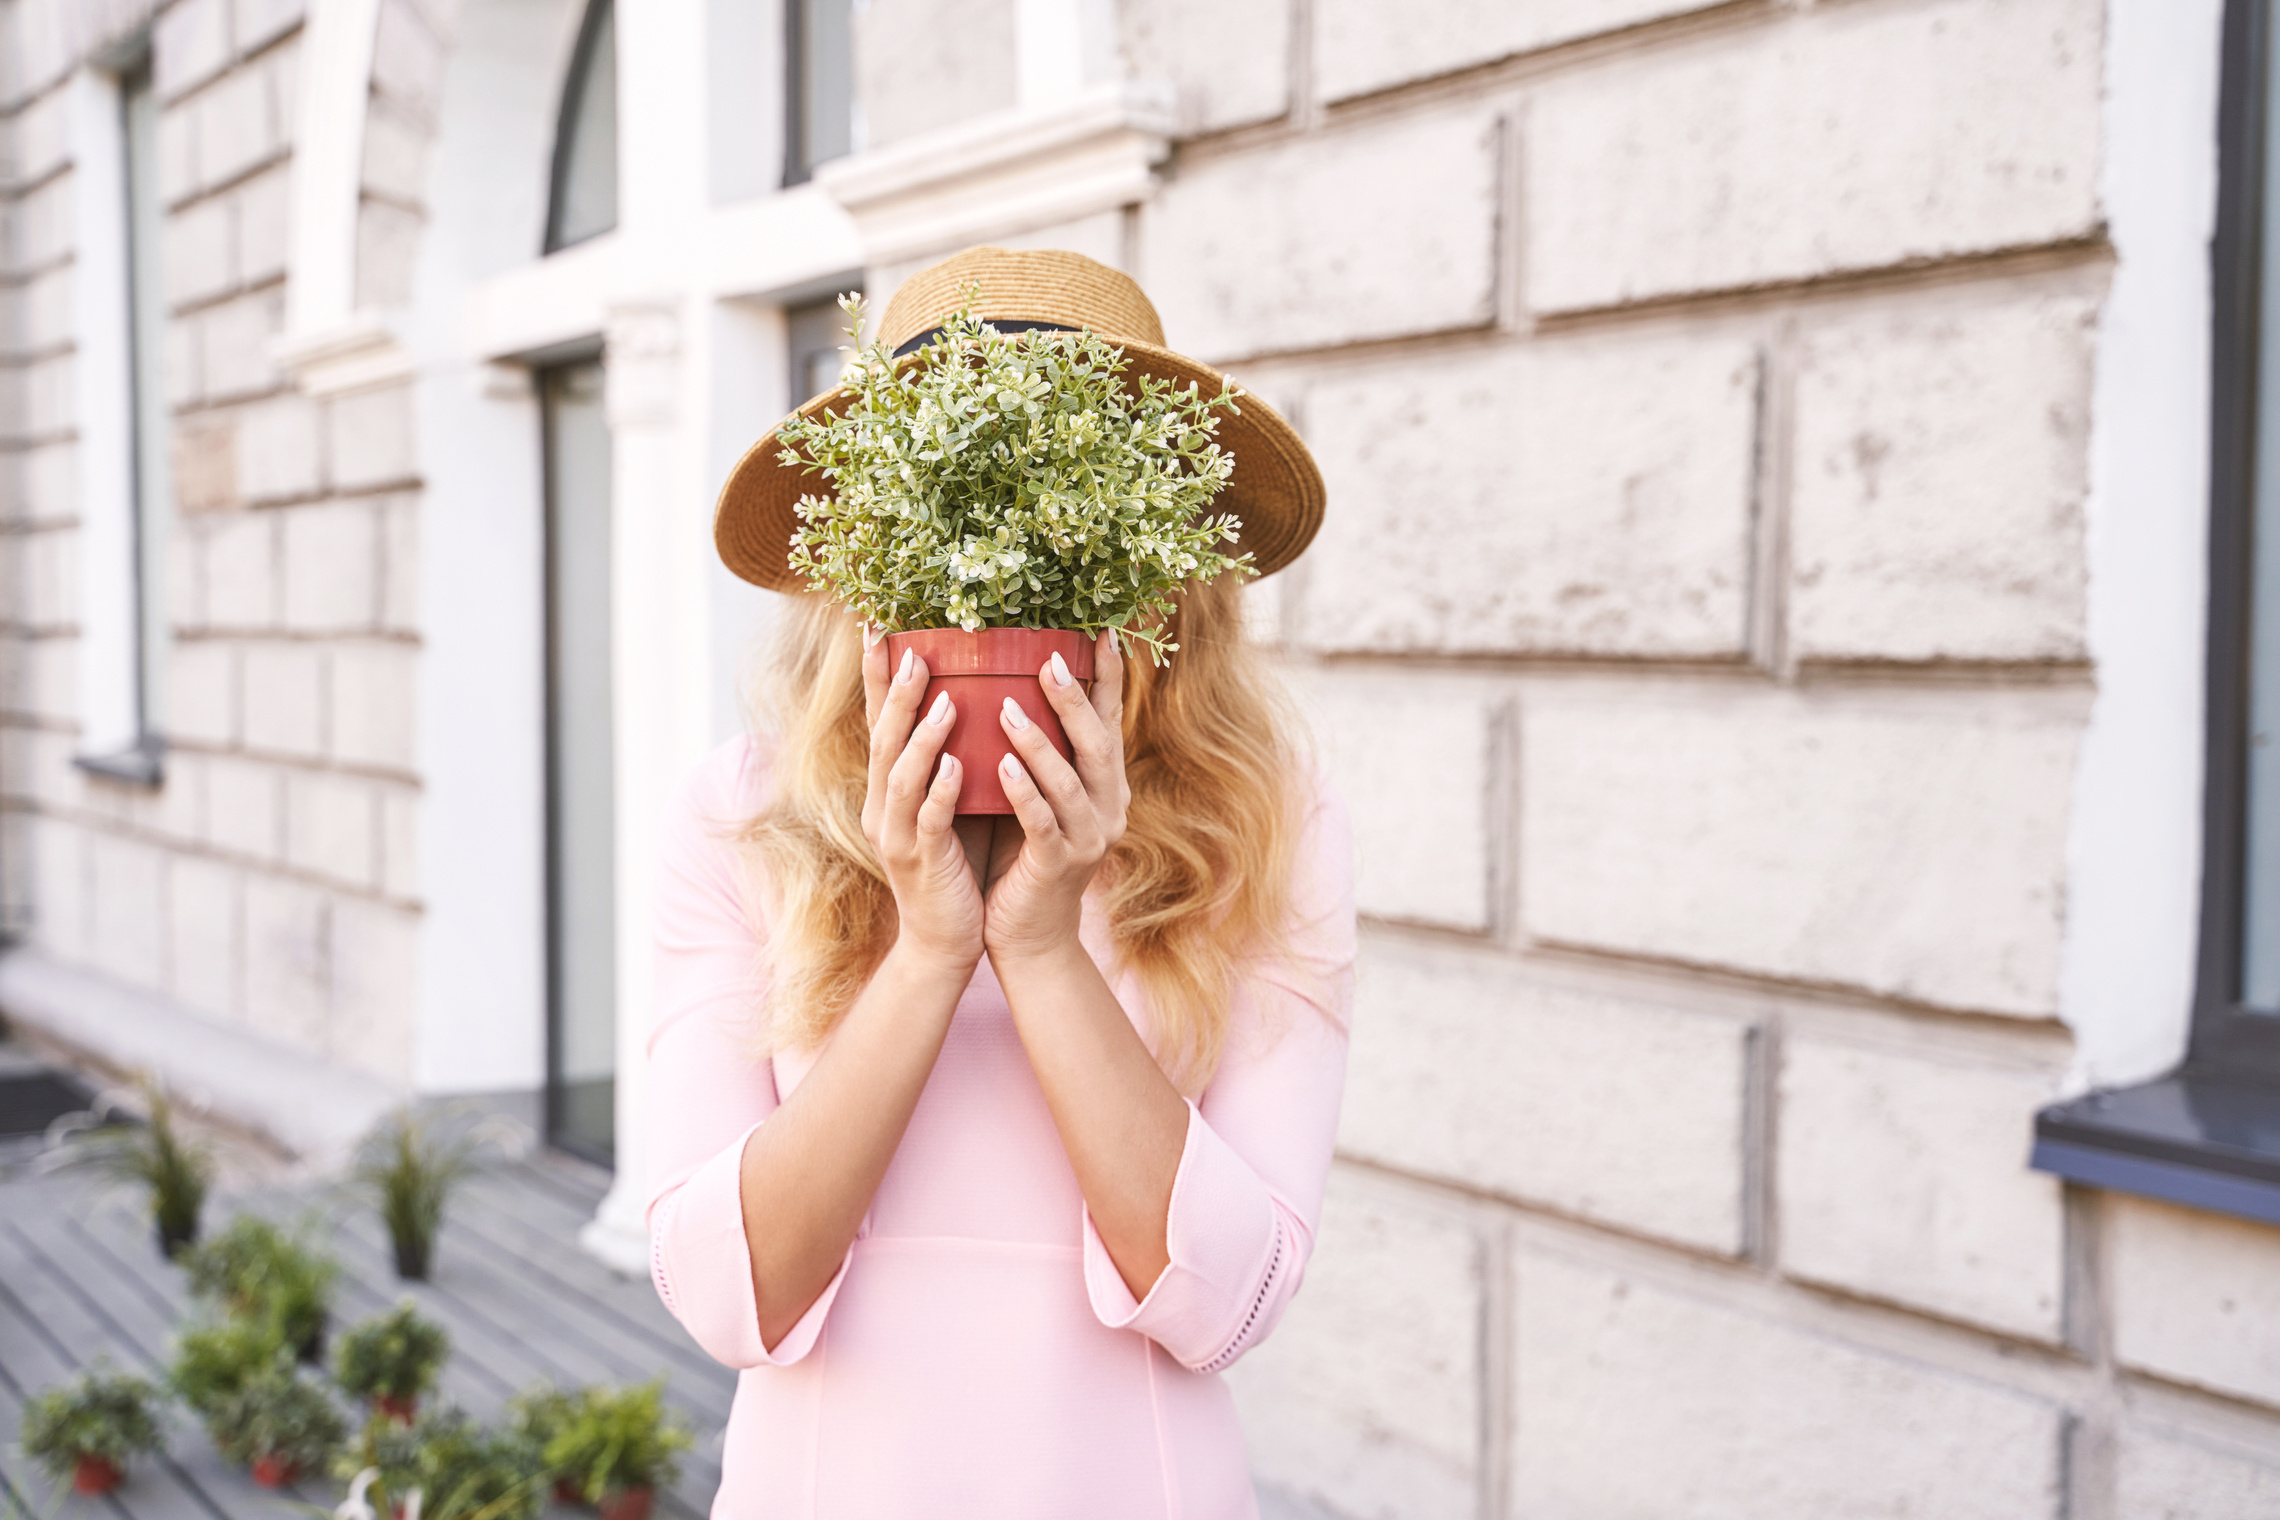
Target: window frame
[(2226, 1036), (799, 163), (565, 138)]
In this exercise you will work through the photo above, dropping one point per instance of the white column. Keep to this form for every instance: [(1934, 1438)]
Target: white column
[(655, 351)]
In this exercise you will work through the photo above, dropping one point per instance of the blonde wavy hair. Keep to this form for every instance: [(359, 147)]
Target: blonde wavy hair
[(1200, 883)]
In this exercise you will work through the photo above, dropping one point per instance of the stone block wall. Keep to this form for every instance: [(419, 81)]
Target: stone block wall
[(1697, 636), (271, 880)]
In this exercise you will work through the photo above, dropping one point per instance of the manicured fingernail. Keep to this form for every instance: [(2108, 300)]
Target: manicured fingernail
[(1014, 714), (940, 711), (1011, 767), (871, 634), (949, 767), (1061, 670), (902, 672)]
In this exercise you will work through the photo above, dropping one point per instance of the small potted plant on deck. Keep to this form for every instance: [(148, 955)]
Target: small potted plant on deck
[(618, 1447), (996, 499), (89, 1429), (212, 1362), (411, 1168), (391, 1360), (154, 1155), (279, 1424), (256, 1271), (455, 1469), (536, 1416)]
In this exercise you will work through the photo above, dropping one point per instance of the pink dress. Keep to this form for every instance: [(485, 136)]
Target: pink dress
[(978, 1353)]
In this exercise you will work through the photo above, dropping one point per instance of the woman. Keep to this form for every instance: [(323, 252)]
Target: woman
[(983, 1146)]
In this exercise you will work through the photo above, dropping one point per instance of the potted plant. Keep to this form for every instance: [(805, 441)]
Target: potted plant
[(536, 1416), (449, 1466), (412, 1169), (280, 1424), (255, 1270), (212, 1362), (391, 1360), (618, 1447), (999, 499), (89, 1429), (153, 1155)]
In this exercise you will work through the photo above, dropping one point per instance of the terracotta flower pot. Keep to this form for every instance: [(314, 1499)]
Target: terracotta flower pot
[(402, 1410), (633, 1503), (980, 670), (567, 1491), (272, 1472), (95, 1475)]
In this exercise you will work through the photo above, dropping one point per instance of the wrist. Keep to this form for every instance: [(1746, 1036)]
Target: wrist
[(1047, 954), (923, 962)]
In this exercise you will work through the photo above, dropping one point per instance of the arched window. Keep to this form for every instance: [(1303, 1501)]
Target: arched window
[(584, 199)]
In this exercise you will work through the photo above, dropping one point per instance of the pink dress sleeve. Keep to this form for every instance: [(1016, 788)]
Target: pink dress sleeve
[(1248, 1192), (707, 1089)]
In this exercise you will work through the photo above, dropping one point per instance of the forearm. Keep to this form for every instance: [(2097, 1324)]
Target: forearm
[(808, 1174), (1121, 1121)]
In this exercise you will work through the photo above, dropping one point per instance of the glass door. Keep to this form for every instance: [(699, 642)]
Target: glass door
[(581, 798)]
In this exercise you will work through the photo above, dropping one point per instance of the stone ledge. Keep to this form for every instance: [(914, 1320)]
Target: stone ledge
[(315, 1110)]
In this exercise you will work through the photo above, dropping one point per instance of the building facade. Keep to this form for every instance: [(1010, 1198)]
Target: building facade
[(1764, 628)]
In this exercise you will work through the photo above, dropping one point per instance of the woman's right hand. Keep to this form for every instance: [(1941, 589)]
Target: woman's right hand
[(908, 811)]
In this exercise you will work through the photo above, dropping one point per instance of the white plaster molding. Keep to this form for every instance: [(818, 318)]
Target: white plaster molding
[(643, 375), (1061, 47), (779, 242), (1000, 173), (547, 303), (2134, 842), (357, 354), (328, 163)]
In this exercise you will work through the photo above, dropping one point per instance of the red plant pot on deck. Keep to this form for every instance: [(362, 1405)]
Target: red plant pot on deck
[(980, 670), (403, 1410), (633, 1503), (95, 1475), (272, 1472)]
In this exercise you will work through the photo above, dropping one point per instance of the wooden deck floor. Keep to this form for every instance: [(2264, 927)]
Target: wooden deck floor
[(80, 1277)]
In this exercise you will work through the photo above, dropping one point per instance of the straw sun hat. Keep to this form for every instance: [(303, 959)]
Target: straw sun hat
[(1275, 492)]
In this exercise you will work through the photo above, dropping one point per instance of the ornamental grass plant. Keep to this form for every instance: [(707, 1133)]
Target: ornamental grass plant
[(176, 1172), (1013, 480), (411, 1168)]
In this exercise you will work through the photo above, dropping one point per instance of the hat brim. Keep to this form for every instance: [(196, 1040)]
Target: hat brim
[(1275, 492)]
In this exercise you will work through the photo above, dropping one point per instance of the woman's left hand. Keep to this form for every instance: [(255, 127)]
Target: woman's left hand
[(1071, 815)]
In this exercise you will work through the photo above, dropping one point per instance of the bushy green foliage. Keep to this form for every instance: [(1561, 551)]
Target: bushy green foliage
[(212, 1362), (1028, 480), (539, 1414), (282, 1415), (412, 1169), (394, 1355), (618, 1438), (97, 1415), (462, 1470), (256, 1271)]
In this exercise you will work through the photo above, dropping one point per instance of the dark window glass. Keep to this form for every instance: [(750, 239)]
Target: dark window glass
[(584, 201), (819, 48), (816, 334), (581, 800)]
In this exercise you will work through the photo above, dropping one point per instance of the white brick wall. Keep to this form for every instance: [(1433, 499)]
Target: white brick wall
[(1914, 850), (287, 961), (284, 698), (1411, 760), (245, 807), (240, 564), (375, 982), (1942, 460), (1411, 250), (1366, 45), (369, 438), (1562, 497), (1635, 1399), (2157, 1478), (1936, 130), (202, 692), (1367, 1395), (204, 920), (1224, 57), (2196, 1297), (374, 696), (1904, 1177), (278, 449), (127, 887), (1612, 1109), (331, 827), (332, 554)]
